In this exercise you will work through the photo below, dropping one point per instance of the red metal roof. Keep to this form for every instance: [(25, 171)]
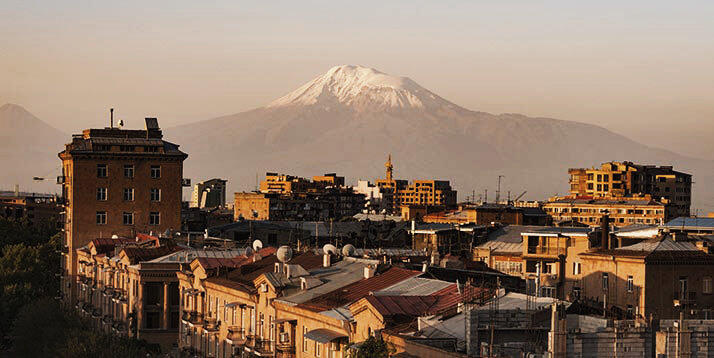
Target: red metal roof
[(357, 290), (438, 302), (233, 262)]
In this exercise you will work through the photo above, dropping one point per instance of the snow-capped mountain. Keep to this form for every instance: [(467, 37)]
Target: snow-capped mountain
[(363, 89), (348, 119)]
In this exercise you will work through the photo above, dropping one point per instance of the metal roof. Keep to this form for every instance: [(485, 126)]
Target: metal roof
[(691, 223), (323, 335), (414, 286), (189, 255)]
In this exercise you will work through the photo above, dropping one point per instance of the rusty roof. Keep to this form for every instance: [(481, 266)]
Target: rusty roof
[(139, 254), (357, 290), (233, 262)]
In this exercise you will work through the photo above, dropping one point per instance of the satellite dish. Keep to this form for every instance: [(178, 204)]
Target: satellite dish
[(121, 123), (348, 250), (115, 236), (248, 251), (205, 234), (257, 245), (329, 249), (284, 253)]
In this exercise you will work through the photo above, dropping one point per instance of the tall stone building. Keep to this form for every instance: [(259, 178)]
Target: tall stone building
[(622, 179), (118, 182)]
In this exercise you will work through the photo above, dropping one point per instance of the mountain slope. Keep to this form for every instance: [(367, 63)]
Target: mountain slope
[(348, 119), (28, 148)]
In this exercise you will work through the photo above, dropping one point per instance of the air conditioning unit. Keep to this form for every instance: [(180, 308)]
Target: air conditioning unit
[(61, 179), (263, 287), (185, 182), (284, 337)]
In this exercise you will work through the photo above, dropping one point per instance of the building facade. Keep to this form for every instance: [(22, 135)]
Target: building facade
[(118, 182), (209, 194), (623, 179), (398, 193), (587, 211), (330, 203)]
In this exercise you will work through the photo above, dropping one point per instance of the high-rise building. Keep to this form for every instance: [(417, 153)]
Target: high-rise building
[(623, 179), (209, 194), (118, 182), (418, 193)]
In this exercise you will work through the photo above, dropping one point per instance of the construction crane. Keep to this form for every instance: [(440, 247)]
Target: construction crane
[(520, 196)]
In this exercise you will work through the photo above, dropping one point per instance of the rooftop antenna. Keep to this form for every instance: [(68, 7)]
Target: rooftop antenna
[(111, 117)]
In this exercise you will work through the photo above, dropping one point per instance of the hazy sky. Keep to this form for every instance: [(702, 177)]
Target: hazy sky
[(642, 68)]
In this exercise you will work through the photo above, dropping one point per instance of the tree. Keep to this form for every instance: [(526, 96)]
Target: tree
[(373, 348)]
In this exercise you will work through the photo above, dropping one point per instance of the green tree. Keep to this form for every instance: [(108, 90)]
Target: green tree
[(373, 348)]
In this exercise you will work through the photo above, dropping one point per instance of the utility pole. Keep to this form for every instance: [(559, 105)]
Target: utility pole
[(498, 190)]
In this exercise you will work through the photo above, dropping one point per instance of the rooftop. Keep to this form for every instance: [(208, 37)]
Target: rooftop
[(695, 223)]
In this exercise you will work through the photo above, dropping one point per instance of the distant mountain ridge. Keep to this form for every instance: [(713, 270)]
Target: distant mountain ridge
[(28, 148), (348, 119)]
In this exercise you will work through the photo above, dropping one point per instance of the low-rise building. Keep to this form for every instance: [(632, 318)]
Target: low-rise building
[(331, 203), (622, 211), (31, 207), (659, 277)]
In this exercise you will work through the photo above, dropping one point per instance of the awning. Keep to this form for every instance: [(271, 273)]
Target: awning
[(324, 335), (283, 320)]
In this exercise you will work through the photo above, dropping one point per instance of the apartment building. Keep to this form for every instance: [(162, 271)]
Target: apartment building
[(34, 208), (289, 184), (418, 193), (209, 194), (623, 211), (329, 203), (117, 182), (624, 179), (660, 277)]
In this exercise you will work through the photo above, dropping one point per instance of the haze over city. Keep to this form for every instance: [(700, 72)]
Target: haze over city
[(642, 69)]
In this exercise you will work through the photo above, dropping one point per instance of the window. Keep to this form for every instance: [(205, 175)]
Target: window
[(128, 194), (304, 339), (683, 287), (155, 171), (155, 194), (630, 284), (154, 218), (101, 217), (101, 170), (707, 285), (546, 291), (630, 311), (576, 268), (102, 194), (605, 281), (129, 171), (318, 348), (128, 218)]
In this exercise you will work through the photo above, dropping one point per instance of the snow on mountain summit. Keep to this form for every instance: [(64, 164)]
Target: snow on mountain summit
[(362, 88)]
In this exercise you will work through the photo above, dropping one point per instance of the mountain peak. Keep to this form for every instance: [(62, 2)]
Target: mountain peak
[(362, 88)]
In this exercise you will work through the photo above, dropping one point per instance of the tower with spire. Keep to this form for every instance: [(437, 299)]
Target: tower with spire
[(390, 167)]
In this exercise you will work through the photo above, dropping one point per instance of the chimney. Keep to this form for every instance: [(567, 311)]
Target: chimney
[(278, 268), (17, 190), (326, 259), (111, 117), (605, 232), (287, 271), (369, 271)]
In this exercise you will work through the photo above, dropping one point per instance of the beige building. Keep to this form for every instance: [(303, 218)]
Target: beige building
[(659, 277), (419, 193), (117, 182), (624, 179), (209, 194), (622, 211)]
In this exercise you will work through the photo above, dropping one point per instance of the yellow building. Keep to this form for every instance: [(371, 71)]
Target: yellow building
[(622, 211), (418, 193), (658, 278), (624, 179), (289, 184)]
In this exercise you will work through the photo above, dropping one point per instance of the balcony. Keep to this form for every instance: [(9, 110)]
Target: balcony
[(546, 251), (259, 347), (684, 298), (192, 318), (235, 336), (211, 325)]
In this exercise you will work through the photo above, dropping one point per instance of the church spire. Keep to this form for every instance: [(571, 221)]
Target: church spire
[(389, 166)]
